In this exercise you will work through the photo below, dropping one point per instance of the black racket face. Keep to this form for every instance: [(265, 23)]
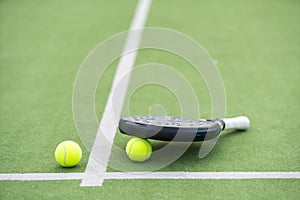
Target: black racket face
[(169, 128), (167, 121)]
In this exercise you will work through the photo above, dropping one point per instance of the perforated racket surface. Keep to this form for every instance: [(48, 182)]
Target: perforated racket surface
[(171, 128)]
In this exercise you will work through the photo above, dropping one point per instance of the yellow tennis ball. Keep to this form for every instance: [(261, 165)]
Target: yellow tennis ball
[(68, 154), (138, 149)]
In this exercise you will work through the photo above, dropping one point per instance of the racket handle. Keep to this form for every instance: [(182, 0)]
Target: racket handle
[(238, 123)]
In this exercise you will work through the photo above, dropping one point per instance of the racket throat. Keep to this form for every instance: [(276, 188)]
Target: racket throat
[(218, 121)]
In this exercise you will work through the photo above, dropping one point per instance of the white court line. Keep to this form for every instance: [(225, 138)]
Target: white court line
[(41, 176), (153, 175), (103, 143)]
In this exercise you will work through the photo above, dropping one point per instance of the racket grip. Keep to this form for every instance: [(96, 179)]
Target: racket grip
[(237, 123)]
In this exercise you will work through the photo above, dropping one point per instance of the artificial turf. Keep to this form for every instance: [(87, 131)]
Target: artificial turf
[(256, 44)]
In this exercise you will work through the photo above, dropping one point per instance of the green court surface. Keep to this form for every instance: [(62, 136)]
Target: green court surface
[(257, 47)]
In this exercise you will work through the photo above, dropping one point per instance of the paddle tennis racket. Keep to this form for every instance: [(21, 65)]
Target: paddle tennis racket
[(168, 128)]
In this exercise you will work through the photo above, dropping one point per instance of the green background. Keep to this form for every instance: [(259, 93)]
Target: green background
[(256, 44)]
